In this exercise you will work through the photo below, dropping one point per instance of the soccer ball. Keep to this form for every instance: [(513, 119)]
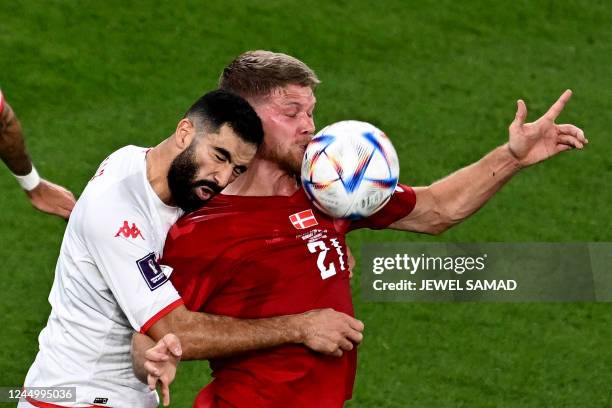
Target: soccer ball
[(350, 169)]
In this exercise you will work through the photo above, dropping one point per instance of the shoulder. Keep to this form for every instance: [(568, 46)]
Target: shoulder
[(125, 160), (112, 217), (107, 205), (121, 172)]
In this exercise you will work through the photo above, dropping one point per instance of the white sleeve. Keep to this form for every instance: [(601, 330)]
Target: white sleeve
[(121, 244)]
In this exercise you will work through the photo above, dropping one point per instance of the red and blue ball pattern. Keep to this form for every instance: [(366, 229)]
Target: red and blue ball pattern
[(350, 169)]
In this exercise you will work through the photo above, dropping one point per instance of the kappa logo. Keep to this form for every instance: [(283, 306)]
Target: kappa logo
[(303, 219), (129, 232)]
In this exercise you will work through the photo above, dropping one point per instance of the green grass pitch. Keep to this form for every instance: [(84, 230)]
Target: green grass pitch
[(440, 77)]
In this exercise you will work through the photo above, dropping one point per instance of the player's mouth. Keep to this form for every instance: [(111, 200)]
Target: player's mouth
[(204, 193)]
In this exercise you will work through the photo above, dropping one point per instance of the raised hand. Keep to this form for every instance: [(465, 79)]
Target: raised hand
[(533, 142)]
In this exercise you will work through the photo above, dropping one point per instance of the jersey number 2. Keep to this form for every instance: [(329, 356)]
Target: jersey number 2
[(322, 248)]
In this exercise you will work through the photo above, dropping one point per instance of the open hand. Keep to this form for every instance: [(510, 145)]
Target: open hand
[(533, 142)]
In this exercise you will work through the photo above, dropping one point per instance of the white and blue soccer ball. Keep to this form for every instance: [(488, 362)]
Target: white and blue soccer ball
[(350, 169)]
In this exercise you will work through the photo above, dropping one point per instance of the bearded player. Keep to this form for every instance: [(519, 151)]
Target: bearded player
[(108, 281), (272, 252)]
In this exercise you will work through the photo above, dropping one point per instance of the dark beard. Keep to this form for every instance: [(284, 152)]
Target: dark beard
[(181, 181)]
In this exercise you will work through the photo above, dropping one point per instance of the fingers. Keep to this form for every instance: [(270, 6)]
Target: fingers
[(351, 261), (355, 324), (571, 141), (558, 106), (151, 381), (159, 352), (152, 369), (165, 388), (331, 332), (52, 199), (521, 113), (63, 212), (173, 344), (156, 355), (169, 344), (563, 147), (572, 130), (165, 394), (355, 336), (345, 344)]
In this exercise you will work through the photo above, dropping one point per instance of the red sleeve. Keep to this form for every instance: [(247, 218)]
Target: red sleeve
[(400, 205), (1, 102)]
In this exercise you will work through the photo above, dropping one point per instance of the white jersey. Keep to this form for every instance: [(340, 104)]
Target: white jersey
[(107, 284)]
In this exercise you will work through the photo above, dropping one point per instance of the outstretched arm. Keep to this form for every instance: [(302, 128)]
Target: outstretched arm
[(451, 200), (44, 195)]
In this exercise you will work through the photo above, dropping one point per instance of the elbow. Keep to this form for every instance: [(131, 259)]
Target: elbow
[(438, 228), (442, 220)]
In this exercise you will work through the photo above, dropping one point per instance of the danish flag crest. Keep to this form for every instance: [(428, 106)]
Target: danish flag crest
[(129, 232), (303, 219)]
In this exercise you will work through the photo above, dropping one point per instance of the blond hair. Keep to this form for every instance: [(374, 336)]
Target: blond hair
[(257, 73)]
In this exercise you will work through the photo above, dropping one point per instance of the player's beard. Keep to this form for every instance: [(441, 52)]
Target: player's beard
[(182, 183), (289, 160)]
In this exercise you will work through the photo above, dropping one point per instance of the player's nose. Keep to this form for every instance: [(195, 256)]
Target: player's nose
[(223, 175), (308, 126)]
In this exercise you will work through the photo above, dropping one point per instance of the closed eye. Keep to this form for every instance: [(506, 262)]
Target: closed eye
[(222, 154)]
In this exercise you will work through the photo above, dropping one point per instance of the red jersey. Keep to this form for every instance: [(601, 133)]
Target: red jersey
[(255, 257)]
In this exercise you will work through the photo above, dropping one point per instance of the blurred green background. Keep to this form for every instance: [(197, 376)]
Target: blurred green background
[(440, 77)]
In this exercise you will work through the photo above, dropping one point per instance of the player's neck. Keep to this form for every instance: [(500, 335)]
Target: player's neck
[(159, 159), (263, 178)]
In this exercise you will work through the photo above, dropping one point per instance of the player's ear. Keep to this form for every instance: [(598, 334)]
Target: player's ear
[(185, 132)]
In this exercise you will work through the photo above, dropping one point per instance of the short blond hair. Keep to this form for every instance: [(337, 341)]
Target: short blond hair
[(257, 73)]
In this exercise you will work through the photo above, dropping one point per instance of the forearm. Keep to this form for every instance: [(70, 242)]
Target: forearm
[(464, 192), (12, 146), (205, 336), (451, 200), (217, 336), (140, 344)]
